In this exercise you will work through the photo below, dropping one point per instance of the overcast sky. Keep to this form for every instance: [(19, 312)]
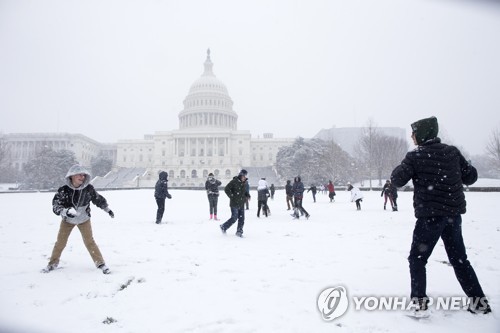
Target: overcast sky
[(120, 69)]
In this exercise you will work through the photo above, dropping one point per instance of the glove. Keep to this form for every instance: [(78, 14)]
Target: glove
[(169, 196), (110, 212), (69, 212)]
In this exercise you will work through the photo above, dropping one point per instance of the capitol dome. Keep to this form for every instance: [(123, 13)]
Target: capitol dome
[(208, 104)]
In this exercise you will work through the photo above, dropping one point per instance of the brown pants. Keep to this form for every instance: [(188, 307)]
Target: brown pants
[(62, 239)]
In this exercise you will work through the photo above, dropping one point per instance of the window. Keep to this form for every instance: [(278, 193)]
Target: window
[(183, 174), (194, 174), (228, 173)]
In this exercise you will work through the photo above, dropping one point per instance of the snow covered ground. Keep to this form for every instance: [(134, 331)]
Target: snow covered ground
[(185, 276)]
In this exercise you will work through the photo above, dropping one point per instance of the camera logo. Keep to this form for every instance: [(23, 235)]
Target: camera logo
[(333, 303)]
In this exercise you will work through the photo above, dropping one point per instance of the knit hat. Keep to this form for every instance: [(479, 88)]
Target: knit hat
[(425, 129), (210, 174), (243, 172)]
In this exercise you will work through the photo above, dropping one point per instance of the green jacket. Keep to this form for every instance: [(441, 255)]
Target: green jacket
[(237, 192)]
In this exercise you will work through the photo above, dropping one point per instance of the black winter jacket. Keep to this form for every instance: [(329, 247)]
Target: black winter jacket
[(390, 190), (289, 189), (298, 189), (212, 186), (439, 172), (161, 187), (237, 192), (79, 199), (263, 194)]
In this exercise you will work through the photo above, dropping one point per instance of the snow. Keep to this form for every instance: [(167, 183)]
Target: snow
[(186, 276)]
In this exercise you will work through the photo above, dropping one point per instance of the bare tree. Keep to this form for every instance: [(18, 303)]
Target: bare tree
[(391, 151), (366, 149), (493, 148)]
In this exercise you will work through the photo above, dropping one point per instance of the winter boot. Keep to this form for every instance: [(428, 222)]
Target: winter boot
[(104, 269), (384, 207), (395, 208), (49, 268), (215, 218), (222, 229), (421, 308), (478, 305), (239, 233)]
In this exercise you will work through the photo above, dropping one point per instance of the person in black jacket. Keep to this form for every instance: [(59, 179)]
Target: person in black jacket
[(161, 192), (272, 189), (289, 194), (238, 194), (390, 192), (298, 195), (262, 195), (72, 203), (313, 189), (212, 187), (438, 172)]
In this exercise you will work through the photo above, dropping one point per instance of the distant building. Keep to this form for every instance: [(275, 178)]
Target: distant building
[(348, 137), (22, 147)]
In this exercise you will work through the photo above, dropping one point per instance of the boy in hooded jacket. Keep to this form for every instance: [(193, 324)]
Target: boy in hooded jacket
[(72, 203), (161, 192), (438, 172)]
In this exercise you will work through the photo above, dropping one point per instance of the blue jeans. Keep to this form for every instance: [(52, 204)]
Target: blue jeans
[(427, 232), (236, 214), (212, 201)]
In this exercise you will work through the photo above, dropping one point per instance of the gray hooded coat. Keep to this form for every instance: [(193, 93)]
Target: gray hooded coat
[(79, 198)]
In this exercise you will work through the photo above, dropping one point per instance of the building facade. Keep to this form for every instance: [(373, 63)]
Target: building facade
[(22, 147), (207, 141)]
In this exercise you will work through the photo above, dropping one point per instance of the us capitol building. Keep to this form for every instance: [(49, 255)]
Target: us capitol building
[(208, 140)]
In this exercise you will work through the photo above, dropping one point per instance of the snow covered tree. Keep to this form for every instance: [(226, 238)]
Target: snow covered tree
[(8, 173), (48, 169), (292, 161), (315, 161), (336, 164), (100, 165)]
